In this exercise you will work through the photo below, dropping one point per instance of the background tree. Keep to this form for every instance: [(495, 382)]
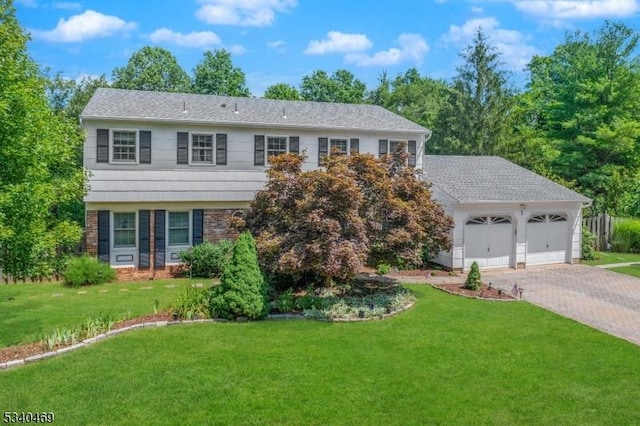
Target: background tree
[(341, 86), (37, 150), (152, 68), (216, 75), (587, 106), (476, 116), (282, 91)]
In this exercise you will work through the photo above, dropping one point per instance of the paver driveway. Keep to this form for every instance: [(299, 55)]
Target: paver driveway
[(599, 298)]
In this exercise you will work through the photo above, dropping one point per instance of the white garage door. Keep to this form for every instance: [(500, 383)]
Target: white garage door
[(547, 239), (488, 240)]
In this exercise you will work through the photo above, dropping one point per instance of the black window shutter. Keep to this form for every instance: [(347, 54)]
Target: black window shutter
[(198, 226), (355, 145), (294, 144), (102, 142), (103, 235), (382, 147), (144, 234), (183, 148), (159, 239), (323, 150), (258, 157), (411, 147), (221, 149), (145, 147)]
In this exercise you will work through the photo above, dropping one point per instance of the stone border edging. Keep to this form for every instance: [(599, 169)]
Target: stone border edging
[(509, 299)]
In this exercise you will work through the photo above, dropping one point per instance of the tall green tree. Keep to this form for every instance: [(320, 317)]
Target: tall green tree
[(476, 118), (282, 91), (587, 105), (216, 75), (38, 173), (341, 86), (152, 68)]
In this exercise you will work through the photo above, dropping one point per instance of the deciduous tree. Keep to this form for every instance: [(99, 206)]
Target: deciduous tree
[(341, 86), (282, 91), (152, 68), (216, 75)]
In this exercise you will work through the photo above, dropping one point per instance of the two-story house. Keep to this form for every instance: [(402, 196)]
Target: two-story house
[(168, 169)]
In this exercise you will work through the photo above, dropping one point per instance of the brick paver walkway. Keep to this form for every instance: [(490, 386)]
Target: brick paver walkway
[(602, 299)]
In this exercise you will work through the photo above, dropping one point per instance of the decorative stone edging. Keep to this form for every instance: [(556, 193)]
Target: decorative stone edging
[(509, 299)]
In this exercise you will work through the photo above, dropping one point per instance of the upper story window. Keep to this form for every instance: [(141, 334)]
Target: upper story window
[(202, 149), (390, 146), (338, 146), (124, 146), (276, 145), (124, 229)]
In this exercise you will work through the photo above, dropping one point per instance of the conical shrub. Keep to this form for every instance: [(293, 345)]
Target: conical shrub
[(473, 281)]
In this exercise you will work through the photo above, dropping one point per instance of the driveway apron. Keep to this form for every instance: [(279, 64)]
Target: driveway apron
[(605, 300)]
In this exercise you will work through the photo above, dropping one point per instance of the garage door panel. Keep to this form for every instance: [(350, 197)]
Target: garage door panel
[(489, 244), (547, 241)]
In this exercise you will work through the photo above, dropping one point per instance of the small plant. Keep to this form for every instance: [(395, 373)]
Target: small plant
[(193, 303), (473, 281), (383, 269), (242, 291), (309, 300), (286, 301), (207, 260), (588, 241), (85, 270), (91, 328)]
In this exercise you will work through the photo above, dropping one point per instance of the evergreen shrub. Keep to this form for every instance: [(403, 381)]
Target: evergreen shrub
[(473, 281)]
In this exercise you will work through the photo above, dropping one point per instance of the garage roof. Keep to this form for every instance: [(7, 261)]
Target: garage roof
[(474, 179), (118, 104)]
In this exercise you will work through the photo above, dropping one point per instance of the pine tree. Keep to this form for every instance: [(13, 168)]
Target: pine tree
[(473, 281)]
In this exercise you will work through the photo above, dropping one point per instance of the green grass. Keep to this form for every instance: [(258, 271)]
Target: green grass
[(29, 311), (449, 360), (605, 258), (633, 270)]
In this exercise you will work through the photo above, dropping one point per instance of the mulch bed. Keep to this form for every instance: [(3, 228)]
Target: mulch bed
[(12, 353), (413, 272), (483, 293)]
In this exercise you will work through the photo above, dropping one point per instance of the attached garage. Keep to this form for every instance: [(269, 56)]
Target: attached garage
[(547, 239), (504, 215)]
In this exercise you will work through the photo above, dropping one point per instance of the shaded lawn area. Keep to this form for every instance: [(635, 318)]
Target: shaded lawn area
[(28, 311), (605, 258), (449, 360)]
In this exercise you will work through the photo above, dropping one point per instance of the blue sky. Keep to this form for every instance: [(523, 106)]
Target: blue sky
[(276, 41)]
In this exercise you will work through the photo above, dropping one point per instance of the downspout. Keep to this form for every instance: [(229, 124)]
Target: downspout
[(427, 136)]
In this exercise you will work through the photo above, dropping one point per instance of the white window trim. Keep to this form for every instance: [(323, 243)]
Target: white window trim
[(190, 231), (112, 148), (112, 231), (266, 146), (213, 149), (340, 138)]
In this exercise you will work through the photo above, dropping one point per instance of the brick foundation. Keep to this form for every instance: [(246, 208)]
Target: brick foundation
[(216, 227), (91, 233)]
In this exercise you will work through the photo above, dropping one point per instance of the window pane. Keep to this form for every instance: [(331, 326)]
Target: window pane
[(340, 145), (124, 146), (178, 228), (202, 149), (124, 229), (276, 146)]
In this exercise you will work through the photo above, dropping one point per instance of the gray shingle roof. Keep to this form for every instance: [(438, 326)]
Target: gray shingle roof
[(160, 106), (492, 179)]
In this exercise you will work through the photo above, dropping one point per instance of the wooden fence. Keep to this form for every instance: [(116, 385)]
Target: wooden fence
[(602, 227)]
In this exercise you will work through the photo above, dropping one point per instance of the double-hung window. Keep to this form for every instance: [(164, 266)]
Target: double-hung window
[(276, 145), (124, 146), (201, 149), (178, 226), (124, 229), (338, 146)]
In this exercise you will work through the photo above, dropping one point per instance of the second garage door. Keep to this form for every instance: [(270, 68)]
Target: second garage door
[(488, 240), (547, 239)]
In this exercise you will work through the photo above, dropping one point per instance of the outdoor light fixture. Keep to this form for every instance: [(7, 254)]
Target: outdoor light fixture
[(522, 207)]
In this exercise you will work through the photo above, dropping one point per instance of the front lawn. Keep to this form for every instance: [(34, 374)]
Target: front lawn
[(449, 360), (633, 270), (29, 311), (606, 258)]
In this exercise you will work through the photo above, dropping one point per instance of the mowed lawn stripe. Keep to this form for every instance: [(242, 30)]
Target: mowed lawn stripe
[(448, 360)]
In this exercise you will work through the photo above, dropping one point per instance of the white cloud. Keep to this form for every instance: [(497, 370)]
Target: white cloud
[(338, 42), (90, 24), (66, 5), (511, 44), (278, 45), (578, 9), (193, 39), (250, 13), (477, 10), (413, 47), (237, 49)]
